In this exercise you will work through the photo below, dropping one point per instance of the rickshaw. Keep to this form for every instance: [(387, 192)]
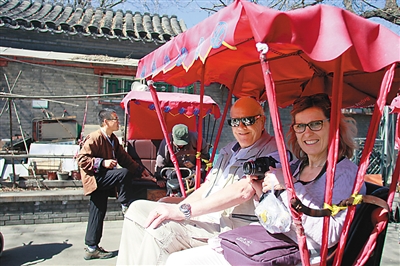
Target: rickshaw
[(268, 54), (143, 117)]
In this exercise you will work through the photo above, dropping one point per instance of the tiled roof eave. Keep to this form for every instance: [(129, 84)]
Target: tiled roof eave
[(89, 22), (83, 34)]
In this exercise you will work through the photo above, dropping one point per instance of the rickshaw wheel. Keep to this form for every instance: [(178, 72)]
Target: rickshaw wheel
[(396, 214), (1, 244)]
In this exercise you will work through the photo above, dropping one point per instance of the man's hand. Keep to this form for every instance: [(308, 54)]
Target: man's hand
[(109, 163), (161, 183), (146, 176), (164, 212)]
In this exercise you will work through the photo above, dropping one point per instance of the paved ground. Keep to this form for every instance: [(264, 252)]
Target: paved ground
[(62, 244), (54, 244)]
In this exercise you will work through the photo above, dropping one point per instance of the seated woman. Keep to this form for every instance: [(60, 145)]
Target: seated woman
[(308, 140)]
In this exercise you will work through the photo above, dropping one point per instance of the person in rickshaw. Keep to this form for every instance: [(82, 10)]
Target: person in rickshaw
[(308, 138), (153, 230), (184, 145)]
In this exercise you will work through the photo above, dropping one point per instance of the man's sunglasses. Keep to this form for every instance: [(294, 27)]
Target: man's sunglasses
[(247, 121), (313, 125)]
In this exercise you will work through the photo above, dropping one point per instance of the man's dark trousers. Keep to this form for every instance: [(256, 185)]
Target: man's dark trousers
[(107, 180)]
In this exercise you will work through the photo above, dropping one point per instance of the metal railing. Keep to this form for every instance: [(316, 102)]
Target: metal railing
[(381, 160)]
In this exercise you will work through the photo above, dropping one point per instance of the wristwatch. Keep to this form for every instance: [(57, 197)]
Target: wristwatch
[(186, 209)]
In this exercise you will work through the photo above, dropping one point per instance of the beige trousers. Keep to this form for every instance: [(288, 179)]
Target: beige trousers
[(203, 255), (144, 246)]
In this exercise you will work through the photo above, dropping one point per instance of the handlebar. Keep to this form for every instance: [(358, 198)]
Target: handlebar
[(172, 169)]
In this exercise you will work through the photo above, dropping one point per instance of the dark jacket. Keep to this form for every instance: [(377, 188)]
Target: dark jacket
[(95, 149), (187, 153)]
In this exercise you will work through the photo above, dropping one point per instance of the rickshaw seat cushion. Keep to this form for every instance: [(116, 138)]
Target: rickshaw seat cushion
[(144, 152), (374, 178), (361, 228)]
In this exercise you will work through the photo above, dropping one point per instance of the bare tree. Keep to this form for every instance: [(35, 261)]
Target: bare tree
[(364, 8), (390, 11), (95, 3), (152, 6)]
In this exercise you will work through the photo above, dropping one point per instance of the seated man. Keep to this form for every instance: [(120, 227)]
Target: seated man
[(184, 145), (153, 230)]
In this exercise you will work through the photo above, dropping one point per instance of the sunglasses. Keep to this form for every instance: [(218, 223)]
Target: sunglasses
[(313, 125), (247, 121)]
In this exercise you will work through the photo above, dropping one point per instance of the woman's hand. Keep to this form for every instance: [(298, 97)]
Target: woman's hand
[(255, 182), (273, 178), (164, 212)]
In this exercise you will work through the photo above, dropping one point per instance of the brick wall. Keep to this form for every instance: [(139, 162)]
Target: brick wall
[(46, 81), (52, 211), (61, 202)]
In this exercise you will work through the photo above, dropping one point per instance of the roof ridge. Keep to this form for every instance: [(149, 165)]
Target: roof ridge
[(55, 17)]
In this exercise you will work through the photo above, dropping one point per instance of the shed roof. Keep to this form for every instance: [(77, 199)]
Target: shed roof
[(89, 21), (71, 57)]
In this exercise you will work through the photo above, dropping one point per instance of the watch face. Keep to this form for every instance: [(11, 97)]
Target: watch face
[(185, 207)]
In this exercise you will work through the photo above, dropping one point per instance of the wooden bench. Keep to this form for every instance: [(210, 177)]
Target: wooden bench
[(144, 152)]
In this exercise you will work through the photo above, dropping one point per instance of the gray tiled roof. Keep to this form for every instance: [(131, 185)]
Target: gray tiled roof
[(95, 22)]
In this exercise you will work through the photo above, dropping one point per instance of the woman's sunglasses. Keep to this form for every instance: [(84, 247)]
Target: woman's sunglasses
[(247, 121)]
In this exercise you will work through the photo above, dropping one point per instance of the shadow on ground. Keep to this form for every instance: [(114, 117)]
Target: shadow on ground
[(31, 254)]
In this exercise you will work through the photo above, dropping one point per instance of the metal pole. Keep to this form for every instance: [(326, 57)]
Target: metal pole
[(23, 156), (16, 114), (126, 117), (9, 89), (11, 142), (385, 157)]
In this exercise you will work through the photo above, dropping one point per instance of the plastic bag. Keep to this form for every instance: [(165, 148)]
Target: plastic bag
[(273, 214)]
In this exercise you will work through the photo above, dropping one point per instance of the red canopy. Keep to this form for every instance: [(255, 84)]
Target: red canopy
[(177, 108), (318, 41), (302, 43)]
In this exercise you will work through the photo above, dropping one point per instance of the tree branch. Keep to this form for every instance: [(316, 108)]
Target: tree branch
[(391, 12)]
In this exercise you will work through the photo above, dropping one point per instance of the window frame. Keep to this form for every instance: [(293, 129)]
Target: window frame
[(120, 82)]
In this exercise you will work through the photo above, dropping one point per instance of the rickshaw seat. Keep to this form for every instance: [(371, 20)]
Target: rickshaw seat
[(144, 152), (361, 228)]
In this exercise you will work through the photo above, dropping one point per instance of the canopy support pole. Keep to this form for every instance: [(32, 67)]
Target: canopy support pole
[(221, 125), (280, 141), (333, 149), (200, 132), (165, 132), (364, 161)]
